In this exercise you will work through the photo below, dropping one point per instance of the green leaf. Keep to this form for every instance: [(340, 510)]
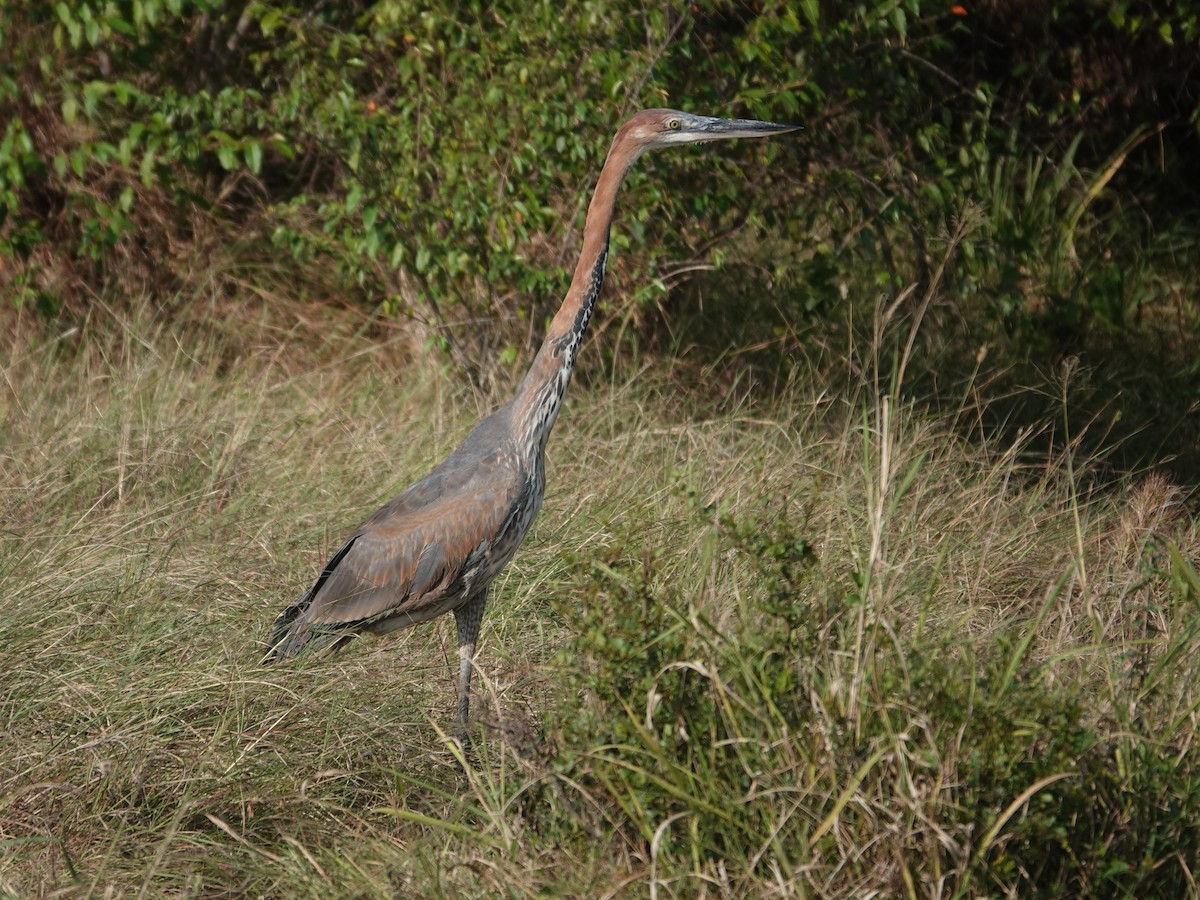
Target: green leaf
[(254, 154), (146, 168), (270, 21)]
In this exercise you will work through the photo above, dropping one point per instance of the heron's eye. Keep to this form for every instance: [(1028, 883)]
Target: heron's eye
[(673, 124)]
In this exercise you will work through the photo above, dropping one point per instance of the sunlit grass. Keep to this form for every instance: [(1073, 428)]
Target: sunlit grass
[(811, 644)]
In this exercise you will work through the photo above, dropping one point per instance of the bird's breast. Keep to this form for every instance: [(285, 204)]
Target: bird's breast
[(516, 525)]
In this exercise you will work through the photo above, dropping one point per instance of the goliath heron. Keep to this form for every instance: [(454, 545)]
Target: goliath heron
[(437, 547)]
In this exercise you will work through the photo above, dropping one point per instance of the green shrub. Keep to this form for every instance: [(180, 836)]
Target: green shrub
[(435, 160)]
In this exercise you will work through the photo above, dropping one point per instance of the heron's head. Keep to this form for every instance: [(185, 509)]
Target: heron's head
[(665, 127)]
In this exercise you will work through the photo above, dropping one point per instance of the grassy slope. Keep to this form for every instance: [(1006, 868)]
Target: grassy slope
[(979, 668)]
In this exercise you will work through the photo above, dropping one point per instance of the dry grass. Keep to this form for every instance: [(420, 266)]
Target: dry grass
[(163, 496)]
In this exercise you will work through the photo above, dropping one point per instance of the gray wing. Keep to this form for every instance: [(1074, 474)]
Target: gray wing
[(417, 557)]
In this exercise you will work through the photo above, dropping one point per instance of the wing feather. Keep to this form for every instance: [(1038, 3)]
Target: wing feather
[(415, 558)]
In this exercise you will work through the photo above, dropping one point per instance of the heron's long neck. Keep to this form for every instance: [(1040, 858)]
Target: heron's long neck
[(536, 405)]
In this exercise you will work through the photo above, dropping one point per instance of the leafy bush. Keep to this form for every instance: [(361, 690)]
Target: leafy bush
[(440, 157), (412, 160)]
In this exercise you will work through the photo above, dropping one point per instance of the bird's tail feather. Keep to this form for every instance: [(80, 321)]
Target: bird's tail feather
[(290, 634), (284, 641)]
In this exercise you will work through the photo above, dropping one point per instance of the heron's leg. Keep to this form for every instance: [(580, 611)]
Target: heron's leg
[(469, 616)]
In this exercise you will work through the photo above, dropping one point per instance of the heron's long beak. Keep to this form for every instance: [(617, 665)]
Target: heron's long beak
[(712, 129)]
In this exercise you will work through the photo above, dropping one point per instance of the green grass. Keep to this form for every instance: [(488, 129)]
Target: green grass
[(816, 644)]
